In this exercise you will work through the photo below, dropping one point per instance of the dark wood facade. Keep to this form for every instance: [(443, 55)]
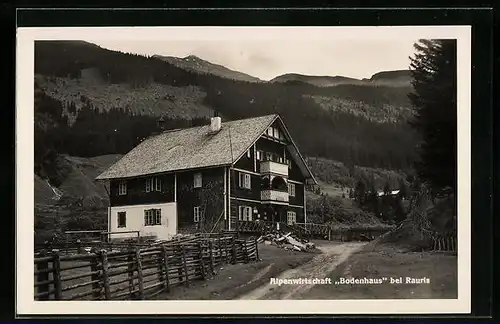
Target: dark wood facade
[(221, 195)]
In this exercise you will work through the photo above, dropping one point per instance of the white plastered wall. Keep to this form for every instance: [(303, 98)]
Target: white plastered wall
[(135, 221)]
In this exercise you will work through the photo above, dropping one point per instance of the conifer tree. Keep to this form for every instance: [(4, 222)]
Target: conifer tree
[(434, 69)]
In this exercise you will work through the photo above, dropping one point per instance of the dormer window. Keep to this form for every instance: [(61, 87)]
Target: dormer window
[(197, 180), (122, 188)]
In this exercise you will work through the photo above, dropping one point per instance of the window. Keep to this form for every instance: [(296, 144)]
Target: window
[(122, 219), (196, 214), (122, 188), (152, 217), (260, 154), (197, 180), (276, 133), (245, 213), (270, 131), (291, 218), (245, 180), (291, 189), (157, 182), (153, 184), (248, 153), (269, 156)]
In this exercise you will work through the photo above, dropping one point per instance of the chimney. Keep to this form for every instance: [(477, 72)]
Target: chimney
[(215, 124), (161, 123)]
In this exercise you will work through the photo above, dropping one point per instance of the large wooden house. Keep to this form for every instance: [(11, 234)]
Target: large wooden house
[(209, 178)]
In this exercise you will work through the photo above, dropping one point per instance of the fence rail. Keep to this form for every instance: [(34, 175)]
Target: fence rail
[(138, 273)]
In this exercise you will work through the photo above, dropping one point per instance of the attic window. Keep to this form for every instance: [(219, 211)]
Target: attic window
[(197, 181), (270, 131), (122, 188), (153, 184), (248, 153)]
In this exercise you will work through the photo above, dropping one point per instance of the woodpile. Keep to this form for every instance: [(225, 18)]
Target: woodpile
[(288, 241)]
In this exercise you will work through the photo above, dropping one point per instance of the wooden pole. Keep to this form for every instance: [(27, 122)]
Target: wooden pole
[(130, 272), (57, 276), (202, 262), (95, 277), (139, 273), (210, 247), (186, 276), (233, 245), (256, 250), (42, 276), (165, 262), (105, 278)]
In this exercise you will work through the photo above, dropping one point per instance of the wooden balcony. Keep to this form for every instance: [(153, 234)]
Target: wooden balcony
[(267, 167), (270, 195)]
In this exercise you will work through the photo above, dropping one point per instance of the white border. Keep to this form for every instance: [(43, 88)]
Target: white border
[(25, 305)]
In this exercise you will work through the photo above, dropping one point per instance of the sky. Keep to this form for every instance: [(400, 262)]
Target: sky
[(269, 58)]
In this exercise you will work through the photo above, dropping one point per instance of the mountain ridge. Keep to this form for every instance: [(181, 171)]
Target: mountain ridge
[(199, 65)]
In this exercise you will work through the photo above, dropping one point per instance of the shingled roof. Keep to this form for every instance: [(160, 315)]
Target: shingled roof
[(190, 148)]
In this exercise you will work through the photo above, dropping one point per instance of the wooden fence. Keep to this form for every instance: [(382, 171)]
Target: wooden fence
[(138, 273), (445, 242)]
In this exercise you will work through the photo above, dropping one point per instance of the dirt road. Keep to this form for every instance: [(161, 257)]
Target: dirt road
[(319, 267)]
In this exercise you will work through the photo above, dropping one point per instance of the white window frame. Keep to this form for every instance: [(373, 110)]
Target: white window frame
[(152, 217), (197, 180), (245, 180), (196, 214), (259, 155), (249, 154), (291, 189), (122, 188), (291, 217), (157, 182), (118, 219), (270, 131), (245, 213), (276, 133), (148, 184)]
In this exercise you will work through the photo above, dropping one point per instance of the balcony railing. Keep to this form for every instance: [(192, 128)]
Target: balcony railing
[(274, 167), (274, 195)]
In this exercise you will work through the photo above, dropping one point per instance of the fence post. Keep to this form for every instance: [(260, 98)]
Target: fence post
[(202, 262), (186, 276), (210, 247), (139, 273), (95, 277), (56, 274), (105, 278), (165, 263), (233, 245), (42, 276), (130, 272), (256, 250), (247, 258)]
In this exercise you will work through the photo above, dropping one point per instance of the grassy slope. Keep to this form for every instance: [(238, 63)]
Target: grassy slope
[(154, 99)]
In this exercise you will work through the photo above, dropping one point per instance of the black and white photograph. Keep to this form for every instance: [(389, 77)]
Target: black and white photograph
[(318, 168)]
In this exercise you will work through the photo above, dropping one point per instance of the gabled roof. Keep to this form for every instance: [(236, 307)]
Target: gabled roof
[(192, 148)]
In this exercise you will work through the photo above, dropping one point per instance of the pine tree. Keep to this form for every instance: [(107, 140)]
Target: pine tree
[(433, 69)]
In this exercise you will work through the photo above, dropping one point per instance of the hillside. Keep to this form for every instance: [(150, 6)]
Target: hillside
[(399, 78), (319, 81), (76, 183), (365, 125), (198, 65)]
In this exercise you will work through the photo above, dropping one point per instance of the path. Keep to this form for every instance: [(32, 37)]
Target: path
[(319, 267)]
